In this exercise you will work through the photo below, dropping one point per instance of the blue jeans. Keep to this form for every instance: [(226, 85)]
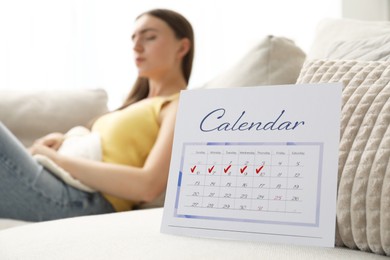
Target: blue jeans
[(30, 192)]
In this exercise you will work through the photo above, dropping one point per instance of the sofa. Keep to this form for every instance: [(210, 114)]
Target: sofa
[(356, 53)]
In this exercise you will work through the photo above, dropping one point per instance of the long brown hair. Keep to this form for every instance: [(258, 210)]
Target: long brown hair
[(182, 29)]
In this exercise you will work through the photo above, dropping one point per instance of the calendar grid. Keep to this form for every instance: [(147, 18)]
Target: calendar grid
[(287, 173), (249, 181), (251, 202), (269, 184)]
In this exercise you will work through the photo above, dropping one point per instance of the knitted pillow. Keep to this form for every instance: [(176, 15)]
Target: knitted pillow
[(363, 201)]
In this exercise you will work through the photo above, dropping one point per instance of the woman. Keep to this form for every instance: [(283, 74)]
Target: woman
[(136, 139)]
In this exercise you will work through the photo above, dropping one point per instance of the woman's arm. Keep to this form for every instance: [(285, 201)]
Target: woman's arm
[(132, 183)]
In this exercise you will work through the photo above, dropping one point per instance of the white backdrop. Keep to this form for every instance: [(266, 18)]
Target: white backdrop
[(86, 43)]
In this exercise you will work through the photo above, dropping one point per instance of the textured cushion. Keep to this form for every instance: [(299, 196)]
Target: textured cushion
[(363, 203), (136, 235), (273, 61), (368, 49), (333, 30), (31, 114)]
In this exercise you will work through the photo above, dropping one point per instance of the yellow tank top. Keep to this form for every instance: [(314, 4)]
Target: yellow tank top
[(128, 135)]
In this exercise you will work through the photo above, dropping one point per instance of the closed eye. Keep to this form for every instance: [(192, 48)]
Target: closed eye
[(150, 38), (144, 32)]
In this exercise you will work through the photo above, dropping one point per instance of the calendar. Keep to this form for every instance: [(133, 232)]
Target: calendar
[(263, 171)]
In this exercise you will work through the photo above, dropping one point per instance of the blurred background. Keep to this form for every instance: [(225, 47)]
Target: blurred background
[(68, 44)]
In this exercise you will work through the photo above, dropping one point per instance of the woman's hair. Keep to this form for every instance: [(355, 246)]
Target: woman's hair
[(182, 29)]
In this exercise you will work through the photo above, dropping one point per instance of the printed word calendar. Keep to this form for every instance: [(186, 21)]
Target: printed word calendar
[(256, 163)]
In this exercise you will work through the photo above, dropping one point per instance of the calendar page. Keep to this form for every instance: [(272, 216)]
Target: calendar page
[(256, 163)]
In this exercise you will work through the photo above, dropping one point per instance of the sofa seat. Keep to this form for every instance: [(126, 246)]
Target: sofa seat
[(8, 223), (136, 235)]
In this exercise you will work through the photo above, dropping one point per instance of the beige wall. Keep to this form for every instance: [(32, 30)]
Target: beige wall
[(366, 9)]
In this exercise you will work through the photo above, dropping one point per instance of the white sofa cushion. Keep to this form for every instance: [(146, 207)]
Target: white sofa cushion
[(363, 203), (333, 30), (368, 49), (136, 235), (30, 114), (273, 61)]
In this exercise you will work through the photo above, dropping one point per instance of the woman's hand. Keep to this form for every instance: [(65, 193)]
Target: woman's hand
[(53, 141), (41, 149)]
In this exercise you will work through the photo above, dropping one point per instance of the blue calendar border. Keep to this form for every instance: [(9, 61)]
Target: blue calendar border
[(320, 163)]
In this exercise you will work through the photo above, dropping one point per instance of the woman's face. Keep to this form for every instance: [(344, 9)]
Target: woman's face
[(156, 49)]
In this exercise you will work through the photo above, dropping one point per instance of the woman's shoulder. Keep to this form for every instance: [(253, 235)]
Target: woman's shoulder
[(169, 106), (172, 97), (170, 100)]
